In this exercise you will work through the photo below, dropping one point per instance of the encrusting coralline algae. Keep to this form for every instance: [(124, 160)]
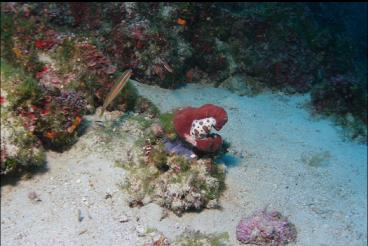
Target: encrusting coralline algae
[(266, 229)]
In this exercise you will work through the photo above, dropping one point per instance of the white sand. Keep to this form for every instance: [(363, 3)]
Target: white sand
[(273, 132)]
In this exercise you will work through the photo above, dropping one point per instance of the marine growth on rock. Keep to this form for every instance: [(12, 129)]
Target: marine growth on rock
[(266, 229)]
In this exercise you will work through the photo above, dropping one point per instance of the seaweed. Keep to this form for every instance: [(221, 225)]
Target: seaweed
[(7, 31), (166, 120), (141, 120), (143, 105), (24, 87), (159, 159)]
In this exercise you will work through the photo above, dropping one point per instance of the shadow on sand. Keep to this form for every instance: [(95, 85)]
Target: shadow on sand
[(229, 160), (22, 174)]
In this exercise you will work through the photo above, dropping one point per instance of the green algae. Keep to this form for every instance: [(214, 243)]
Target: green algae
[(166, 120)]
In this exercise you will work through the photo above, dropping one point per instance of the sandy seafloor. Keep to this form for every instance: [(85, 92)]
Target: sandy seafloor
[(272, 136)]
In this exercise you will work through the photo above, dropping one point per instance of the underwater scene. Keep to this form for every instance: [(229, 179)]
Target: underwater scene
[(183, 124)]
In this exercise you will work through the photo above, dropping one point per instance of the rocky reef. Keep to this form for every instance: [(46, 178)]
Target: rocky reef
[(49, 81), (81, 48), (295, 48)]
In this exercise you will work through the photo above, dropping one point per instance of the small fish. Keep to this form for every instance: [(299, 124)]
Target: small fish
[(167, 67), (100, 123), (181, 22), (50, 135), (75, 124), (17, 52), (157, 69), (116, 89)]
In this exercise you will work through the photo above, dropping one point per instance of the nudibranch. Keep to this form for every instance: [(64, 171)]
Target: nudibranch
[(194, 126)]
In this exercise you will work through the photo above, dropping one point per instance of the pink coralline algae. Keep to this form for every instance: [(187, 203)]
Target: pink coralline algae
[(266, 229)]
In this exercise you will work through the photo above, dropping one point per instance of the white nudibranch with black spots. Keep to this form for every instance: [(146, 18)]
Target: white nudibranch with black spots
[(201, 128)]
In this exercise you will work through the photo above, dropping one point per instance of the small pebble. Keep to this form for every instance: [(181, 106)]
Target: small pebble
[(108, 195), (79, 214), (124, 219), (33, 196)]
